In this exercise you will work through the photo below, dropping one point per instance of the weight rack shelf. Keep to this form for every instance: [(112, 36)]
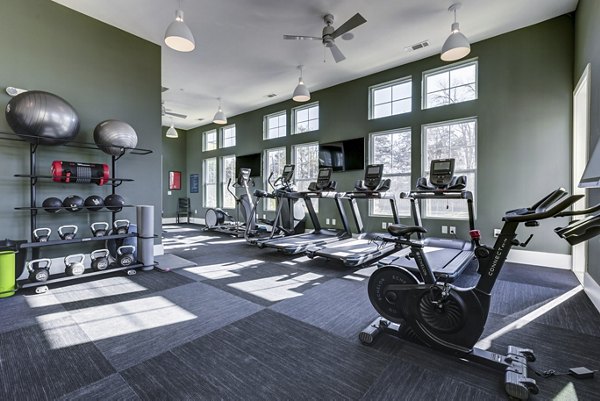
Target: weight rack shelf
[(27, 245), (89, 273), (58, 209), (117, 181)]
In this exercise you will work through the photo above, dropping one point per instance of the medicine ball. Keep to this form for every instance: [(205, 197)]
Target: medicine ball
[(43, 118), (111, 136), (73, 203), (114, 202), (52, 204), (94, 203)]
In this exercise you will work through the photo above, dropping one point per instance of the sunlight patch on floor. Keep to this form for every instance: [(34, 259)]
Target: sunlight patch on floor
[(276, 288), (222, 270)]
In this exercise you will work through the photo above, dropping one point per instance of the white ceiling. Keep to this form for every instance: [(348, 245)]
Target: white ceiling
[(241, 57)]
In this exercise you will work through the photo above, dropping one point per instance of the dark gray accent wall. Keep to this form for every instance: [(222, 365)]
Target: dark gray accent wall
[(104, 73), (524, 125), (173, 159), (587, 50)]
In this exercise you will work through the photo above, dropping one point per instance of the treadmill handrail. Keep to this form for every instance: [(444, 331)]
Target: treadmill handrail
[(442, 194)]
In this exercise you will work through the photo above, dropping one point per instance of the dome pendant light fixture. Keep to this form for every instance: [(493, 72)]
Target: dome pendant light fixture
[(178, 35), (457, 45), (219, 117), (301, 93), (172, 132)]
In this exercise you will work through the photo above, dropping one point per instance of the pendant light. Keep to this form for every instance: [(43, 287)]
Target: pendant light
[(457, 45), (178, 35), (219, 117), (172, 132), (301, 93)]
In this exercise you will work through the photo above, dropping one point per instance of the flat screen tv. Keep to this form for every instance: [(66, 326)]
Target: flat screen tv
[(343, 155), (249, 161)]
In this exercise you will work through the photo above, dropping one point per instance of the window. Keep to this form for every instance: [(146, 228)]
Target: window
[(209, 140), (454, 84), (210, 182), (306, 118), (227, 173), (306, 159), (228, 136), (457, 140), (390, 98), (393, 150), (275, 125), (274, 162)]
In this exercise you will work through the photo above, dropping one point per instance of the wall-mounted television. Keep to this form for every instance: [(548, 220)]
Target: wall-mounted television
[(343, 155), (249, 161)]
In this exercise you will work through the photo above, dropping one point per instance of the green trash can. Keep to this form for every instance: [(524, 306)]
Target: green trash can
[(8, 249)]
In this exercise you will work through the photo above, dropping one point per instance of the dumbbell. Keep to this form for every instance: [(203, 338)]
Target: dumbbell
[(74, 264), (67, 232), (99, 229), (42, 234), (121, 227), (39, 270), (125, 255), (100, 259)]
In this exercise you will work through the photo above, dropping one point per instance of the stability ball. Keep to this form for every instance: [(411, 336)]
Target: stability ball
[(111, 136), (42, 118)]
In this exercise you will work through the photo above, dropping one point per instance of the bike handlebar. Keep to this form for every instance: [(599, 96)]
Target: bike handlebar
[(548, 206)]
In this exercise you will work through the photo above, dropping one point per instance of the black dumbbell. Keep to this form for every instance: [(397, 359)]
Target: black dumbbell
[(74, 264), (99, 229), (39, 270), (125, 255), (41, 234), (100, 259), (67, 232), (121, 227)]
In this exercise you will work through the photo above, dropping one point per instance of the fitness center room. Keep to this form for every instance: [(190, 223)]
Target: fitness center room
[(300, 199)]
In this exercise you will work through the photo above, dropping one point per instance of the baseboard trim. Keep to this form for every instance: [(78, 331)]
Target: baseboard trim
[(169, 220), (592, 289), (545, 259)]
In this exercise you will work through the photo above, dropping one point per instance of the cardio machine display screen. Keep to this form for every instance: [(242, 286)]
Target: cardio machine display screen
[(287, 169), (441, 166), (373, 170), (323, 173)]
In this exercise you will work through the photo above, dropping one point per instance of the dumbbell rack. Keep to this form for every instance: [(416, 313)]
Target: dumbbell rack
[(33, 209)]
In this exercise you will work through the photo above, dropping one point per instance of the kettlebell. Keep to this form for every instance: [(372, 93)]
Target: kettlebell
[(74, 264), (125, 255), (100, 259), (42, 234), (70, 232), (39, 270), (99, 229), (121, 227)]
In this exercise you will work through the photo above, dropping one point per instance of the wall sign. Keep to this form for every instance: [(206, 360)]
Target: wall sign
[(174, 180), (194, 183)]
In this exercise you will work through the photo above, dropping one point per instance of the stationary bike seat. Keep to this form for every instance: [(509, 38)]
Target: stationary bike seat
[(400, 230)]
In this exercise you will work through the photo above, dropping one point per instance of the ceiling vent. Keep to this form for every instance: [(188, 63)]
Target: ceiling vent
[(417, 46), (271, 95)]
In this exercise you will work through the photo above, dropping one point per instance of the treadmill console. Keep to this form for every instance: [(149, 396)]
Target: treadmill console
[(441, 172), (373, 175), (323, 181)]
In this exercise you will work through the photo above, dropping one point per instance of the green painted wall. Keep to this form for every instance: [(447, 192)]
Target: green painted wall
[(104, 73), (587, 50), (173, 159), (524, 125)]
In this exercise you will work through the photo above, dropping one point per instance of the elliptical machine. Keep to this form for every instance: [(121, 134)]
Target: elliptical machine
[(449, 318)]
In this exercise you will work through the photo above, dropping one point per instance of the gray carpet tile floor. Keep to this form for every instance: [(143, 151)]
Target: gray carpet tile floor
[(232, 321)]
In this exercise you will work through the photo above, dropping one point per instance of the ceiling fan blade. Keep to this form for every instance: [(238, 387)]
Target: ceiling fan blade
[(175, 114), (298, 37), (336, 53), (349, 25)]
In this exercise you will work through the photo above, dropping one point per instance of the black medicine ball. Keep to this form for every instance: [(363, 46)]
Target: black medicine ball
[(94, 203), (52, 204), (73, 203), (114, 202)]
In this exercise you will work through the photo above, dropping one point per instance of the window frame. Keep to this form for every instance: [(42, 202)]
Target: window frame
[(448, 69), (223, 180), (266, 127), (222, 136), (307, 107), (266, 167), (297, 180), (205, 182), (205, 142), (389, 84)]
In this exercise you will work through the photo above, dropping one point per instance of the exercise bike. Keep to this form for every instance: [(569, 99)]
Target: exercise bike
[(451, 319)]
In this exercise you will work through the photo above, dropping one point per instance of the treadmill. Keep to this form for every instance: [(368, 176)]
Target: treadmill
[(364, 247), (448, 257), (323, 188)]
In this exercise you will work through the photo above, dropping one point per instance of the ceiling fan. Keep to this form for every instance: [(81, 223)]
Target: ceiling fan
[(166, 111), (330, 34)]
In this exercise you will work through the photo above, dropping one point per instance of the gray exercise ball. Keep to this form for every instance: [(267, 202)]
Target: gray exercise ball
[(42, 118), (112, 136)]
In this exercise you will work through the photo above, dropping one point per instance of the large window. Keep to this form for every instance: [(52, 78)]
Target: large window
[(454, 84), (457, 140), (390, 98), (209, 140), (227, 173), (306, 118), (393, 150), (228, 136), (210, 182), (275, 125), (306, 159), (274, 162)]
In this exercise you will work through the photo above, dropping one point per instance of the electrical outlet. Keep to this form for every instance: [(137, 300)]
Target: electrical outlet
[(496, 232), (383, 225), (195, 211), (333, 222), (327, 221), (169, 193), (452, 230), (444, 229), (264, 216)]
